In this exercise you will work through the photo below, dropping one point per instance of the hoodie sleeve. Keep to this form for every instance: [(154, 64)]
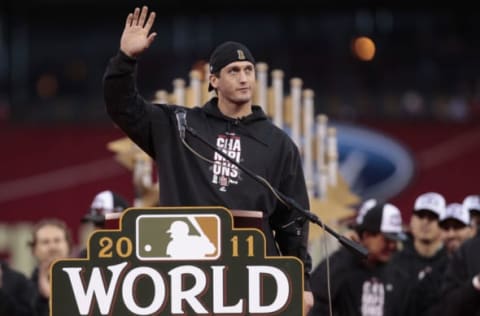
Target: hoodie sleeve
[(125, 105)]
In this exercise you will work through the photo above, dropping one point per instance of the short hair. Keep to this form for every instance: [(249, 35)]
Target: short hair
[(51, 222)]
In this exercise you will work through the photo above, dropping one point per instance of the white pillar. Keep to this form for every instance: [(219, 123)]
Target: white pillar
[(261, 92), (277, 83), (296, 95), (308, 113)]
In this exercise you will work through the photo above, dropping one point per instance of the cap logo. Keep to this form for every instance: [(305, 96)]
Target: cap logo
[(241, 54)]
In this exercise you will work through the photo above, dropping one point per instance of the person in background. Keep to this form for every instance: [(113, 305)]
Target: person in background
[(17, 293), (472, 204), (51, 240), (456, 227), (424, 257), (190, 173), (365, 286), (461, 287), (104, 203), (424, 251)]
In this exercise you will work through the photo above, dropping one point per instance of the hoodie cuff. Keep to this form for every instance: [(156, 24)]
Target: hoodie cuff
[(124, 63)]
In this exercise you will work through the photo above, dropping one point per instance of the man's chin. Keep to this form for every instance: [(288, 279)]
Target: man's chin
[(242, 100)]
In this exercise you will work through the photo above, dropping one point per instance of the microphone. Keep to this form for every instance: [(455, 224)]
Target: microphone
[(181, 115)]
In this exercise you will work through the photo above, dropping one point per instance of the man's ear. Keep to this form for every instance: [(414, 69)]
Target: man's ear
[(213, 80)]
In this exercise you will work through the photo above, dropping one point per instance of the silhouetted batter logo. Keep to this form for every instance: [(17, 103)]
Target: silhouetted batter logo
[(183, 237)]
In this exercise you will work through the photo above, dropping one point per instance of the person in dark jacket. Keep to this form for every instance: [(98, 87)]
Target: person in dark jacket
[(17, 293), (368, 286), (461, 288), (463, 265), (471, 203), (190, 173), (456, 226), (424, 257), (51, 240)]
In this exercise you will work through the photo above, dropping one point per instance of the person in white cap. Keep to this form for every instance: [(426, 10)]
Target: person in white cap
[(365, 286), (424, 257), (472, 204), (456, 226), (424, 251), (104, 203)]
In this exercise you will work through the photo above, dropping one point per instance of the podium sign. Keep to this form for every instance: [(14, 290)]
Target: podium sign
[(177, 261)]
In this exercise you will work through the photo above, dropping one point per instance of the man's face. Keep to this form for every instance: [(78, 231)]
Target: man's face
[(380, 248), (475, 216), (424, 226), (236, 82), (454, 233), (51, 243)]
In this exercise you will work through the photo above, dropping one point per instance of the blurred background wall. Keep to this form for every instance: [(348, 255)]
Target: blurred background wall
[(419, 88)]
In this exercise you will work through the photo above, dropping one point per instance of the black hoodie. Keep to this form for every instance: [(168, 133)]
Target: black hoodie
[(17, 293), (187, 180), (357, 288), (460, 296)]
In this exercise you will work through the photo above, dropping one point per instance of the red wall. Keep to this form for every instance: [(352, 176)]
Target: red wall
[(76, 165)]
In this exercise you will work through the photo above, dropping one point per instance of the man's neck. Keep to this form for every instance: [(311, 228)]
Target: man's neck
[(427, 248), (234, 110)]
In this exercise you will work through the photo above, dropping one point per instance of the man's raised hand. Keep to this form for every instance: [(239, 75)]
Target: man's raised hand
[(135, 37)]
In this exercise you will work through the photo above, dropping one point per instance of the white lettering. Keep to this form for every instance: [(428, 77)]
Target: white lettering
[(189, 295), (95, 287), (158, 295), (219, 294), (104, 294), (220, 142), (236, 145), (255, 294)]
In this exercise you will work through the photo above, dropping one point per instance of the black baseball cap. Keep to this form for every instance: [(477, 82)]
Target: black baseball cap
[(226, 53), (385, 219)]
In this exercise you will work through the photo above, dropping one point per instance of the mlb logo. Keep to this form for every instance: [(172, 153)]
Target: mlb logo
[(173, 237)]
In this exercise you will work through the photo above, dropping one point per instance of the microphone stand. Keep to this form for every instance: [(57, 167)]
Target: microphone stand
[(353, 246)]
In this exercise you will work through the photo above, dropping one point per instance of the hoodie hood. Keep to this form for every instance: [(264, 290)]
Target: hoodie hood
[(254, 125), (211, 109)]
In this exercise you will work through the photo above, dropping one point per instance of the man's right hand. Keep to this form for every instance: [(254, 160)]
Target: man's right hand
[(135, 38)]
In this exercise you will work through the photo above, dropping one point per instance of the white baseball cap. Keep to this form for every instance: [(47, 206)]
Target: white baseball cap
[(385, 219), (430, 201), (103, 203), (457, 212), (472, 203)]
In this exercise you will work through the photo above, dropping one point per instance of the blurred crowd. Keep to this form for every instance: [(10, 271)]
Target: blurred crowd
[(51, 239), (429, 267)]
